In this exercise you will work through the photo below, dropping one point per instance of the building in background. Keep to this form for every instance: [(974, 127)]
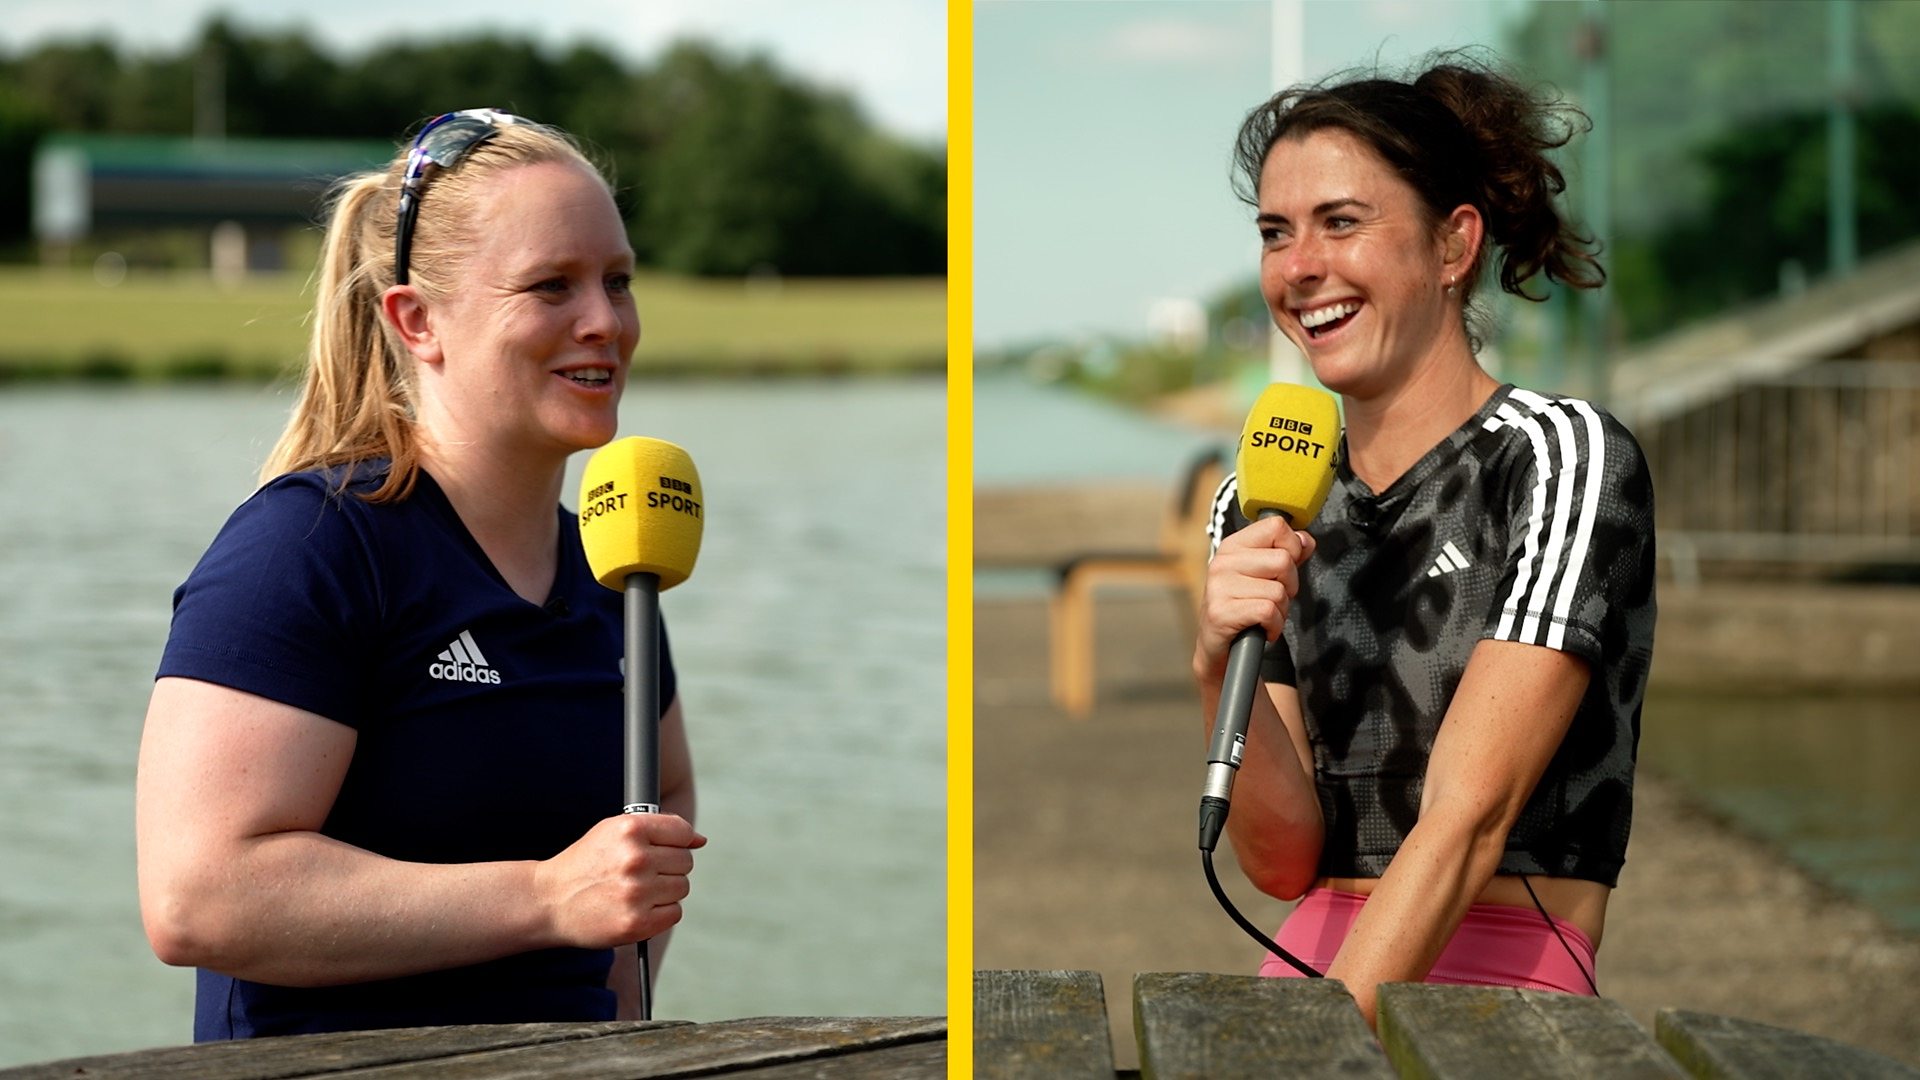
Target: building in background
[(245, 195)]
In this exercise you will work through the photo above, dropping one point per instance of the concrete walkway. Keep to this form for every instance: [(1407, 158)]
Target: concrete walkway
[(1085, 858)]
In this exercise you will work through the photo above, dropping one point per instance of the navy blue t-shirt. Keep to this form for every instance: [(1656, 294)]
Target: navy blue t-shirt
[(488, 728)]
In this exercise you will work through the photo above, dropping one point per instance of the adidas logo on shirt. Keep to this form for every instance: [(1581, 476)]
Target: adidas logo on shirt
[(1448, 561), (461, 661)]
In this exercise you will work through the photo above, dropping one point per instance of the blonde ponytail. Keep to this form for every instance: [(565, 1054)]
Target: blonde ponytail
[(356, 399)]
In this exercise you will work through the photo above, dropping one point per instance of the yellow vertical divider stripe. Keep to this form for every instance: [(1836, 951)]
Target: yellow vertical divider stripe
[(960, 539)]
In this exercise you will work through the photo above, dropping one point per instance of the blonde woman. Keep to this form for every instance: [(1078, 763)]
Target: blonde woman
[(380, 776)]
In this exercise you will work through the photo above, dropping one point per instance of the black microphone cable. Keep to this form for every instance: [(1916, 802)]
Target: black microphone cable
[(1220, 894), (646, 980), (1555, 927)]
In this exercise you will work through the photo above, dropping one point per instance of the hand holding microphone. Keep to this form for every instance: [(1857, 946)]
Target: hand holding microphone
[(641, 515), (1251, 581), (1284, 468), (620, 883)]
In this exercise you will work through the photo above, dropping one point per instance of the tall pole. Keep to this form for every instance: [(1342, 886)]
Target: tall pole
[(210, 90), (1284, 362), (1843, 246), (1596, 191)]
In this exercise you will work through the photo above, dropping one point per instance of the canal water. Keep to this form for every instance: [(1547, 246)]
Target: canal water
[(1830, 778), (811, 644)]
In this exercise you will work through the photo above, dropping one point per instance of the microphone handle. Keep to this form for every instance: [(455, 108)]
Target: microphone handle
[(641, 715), (1230, 726)]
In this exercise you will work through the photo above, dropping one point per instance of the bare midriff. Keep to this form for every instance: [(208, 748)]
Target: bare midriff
[(1582, 903)]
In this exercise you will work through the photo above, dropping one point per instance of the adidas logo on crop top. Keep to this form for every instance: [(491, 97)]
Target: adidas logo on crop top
[(1538, 514), (343, 608)]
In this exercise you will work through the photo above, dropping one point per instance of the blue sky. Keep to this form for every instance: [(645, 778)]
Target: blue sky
[(891, 54), (1101, 139)]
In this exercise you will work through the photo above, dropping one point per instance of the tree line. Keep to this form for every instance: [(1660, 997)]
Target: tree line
[(1719, 142), (723, 164)]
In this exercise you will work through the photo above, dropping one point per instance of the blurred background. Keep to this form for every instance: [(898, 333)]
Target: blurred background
[(1750, 173), (782, 174)]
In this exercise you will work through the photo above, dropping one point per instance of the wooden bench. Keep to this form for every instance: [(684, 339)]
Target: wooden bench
[(1180, 563), (1047, 1024), (767, 1048)]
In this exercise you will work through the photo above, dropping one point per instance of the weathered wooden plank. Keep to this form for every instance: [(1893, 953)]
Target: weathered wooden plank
[(1724, 1048), (695, 1049), (1443, 1032), (1040, 1024), (910, 1061), (1227, 1026), (315, 1055)]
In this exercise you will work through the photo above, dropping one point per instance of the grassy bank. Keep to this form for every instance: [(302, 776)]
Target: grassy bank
[(64, 324)]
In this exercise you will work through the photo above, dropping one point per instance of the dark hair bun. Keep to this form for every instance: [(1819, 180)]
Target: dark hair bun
[(1461, 133), (1513, 129)]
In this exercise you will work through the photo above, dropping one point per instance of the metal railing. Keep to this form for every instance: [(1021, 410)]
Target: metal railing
[(1818, 466)]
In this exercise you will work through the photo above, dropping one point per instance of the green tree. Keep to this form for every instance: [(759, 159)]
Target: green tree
[(22, 124), (69, 83), (1718, 140), (739, 166), (721, 164), (754, 171), (1766, 206)]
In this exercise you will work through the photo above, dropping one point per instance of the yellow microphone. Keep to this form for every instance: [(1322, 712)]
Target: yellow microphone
[(1284, 466), (1285, 459), (641, 513)]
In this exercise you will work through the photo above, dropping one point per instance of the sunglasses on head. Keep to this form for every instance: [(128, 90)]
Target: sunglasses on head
[(444, 142)]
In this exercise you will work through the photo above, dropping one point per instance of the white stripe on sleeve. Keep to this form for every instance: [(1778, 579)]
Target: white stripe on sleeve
[(1554, 559), (1596, 466), (1542, 470), (1223, 497)]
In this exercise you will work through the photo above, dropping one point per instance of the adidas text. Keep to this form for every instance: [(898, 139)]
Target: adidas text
[(464, 673)]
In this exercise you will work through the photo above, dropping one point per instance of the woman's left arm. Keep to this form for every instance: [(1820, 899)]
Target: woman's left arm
[(676, 797), (1507, 718)]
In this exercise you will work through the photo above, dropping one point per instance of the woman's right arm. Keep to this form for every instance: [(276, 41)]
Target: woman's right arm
[(1275, 822), (235, 876)]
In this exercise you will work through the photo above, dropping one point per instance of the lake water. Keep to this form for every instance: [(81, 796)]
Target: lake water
[(1830, 778), (811, 644), (1028, 433)]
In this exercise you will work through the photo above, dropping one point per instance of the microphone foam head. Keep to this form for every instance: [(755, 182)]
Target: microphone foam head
[(641, 511), (1285, 459)]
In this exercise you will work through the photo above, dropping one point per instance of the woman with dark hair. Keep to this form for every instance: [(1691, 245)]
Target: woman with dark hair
[(1441, 766), (379, 784)]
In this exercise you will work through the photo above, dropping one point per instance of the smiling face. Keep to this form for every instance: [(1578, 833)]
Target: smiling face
[(536, 333), (1352, 267)]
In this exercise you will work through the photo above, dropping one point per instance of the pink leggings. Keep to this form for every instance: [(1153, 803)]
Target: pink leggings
[(1495, 945)]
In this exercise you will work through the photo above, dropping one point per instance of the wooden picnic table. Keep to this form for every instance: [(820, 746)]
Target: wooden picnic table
[(764, 1048), (1052, 1025)]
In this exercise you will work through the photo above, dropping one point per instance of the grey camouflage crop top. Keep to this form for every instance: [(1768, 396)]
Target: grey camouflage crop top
[(1533, 522)]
